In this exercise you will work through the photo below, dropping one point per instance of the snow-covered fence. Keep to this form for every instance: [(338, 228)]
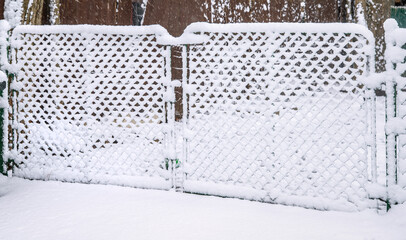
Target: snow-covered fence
[(272, 112), (278, 113), (91, 105), (396, 110)]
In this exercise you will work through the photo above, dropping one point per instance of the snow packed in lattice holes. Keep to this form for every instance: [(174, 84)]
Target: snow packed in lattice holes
[(270, 112)]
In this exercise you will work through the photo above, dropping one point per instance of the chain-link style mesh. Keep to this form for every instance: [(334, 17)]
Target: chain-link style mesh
[(278, 116), (90, 105)]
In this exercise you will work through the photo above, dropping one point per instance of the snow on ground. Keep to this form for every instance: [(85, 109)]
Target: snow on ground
[(54, 210)]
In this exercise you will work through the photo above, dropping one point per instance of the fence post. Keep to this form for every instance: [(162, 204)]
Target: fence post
[(170, 154), (4, 63), (392, 120), (185, 112), (3, 108), (391, 140)]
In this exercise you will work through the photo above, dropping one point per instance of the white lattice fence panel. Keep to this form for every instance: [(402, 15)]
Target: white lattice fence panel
[(90, 105), (396, 106), (277, 112)]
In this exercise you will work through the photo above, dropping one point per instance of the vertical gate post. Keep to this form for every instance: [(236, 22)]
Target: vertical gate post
[(13, 88), (177, 133), (4, 64), (185, 112), (374, 173), (391, 140), (393, 122), (170, 99), (3, 109), (371, 96)]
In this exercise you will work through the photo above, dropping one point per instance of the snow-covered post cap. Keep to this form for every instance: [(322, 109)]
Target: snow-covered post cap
[(3, 77), (4, 28), (390, 25), (4, 25)]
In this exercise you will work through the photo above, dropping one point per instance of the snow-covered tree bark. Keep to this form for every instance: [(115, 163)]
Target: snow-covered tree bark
[(373, 14), (54, 6), (360, 6), (13, 11), (231, 11), (377, 11), (32, 12), (18, 12)]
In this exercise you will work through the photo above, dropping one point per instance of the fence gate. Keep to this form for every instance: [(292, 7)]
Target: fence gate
[(278, 113), (272, 112), (89, 105)]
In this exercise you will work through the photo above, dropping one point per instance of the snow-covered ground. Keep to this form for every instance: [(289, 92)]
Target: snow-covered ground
[(31, 210)]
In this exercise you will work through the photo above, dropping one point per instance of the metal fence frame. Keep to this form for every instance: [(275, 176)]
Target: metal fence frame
[(179, 152), (227, 34), (102, 66)]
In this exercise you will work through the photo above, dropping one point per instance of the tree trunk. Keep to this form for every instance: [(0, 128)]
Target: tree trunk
[(360, 8), (32, 12), (377, 12), (55, 6)]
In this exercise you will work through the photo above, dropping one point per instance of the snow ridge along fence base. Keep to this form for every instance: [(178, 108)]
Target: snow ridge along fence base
[(279, 113)]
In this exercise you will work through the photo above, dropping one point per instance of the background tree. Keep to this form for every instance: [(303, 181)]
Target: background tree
[(32, 12), (54, 7), (376, 13)]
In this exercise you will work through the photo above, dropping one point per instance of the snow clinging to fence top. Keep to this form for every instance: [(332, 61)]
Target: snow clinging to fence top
[(281, 113)]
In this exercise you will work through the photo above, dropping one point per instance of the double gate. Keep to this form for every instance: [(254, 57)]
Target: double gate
[(271, 112)]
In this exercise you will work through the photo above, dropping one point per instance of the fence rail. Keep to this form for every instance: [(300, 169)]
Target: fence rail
[(281, 113)]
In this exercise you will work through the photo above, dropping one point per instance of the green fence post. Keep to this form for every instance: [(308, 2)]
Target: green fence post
[(2, 169), (4, 93), (399, 14), (3, 108)]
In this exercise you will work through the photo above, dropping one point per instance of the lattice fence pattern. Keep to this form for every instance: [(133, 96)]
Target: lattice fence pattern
[(396, 75), (272, 112), (278, 113), (90, 105)]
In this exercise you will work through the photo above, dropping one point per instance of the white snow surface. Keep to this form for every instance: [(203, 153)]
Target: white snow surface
[(54, 210), (91, 29), (281, 27)]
